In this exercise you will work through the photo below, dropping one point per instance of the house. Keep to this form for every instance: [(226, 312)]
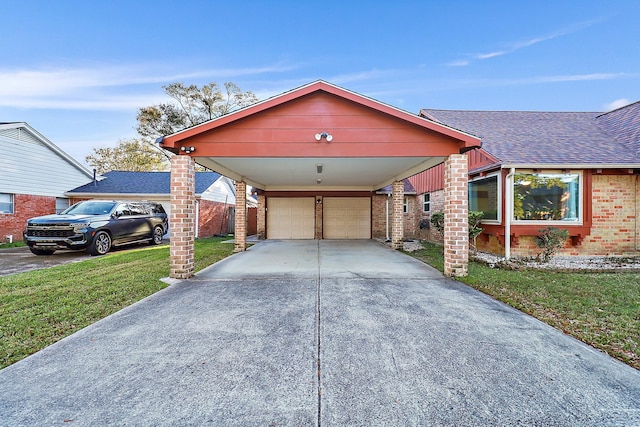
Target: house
[(317, 156), (577, 171), (214, 194), (34, 175)]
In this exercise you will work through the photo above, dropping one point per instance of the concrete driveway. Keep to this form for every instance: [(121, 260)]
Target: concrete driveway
[(328, 333)]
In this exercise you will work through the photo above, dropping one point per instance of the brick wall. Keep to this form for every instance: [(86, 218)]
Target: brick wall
[(240, 232), (212, 218), (24, 207), (261, 217), (379, 216), (615, 228), (437, 205), (397, 216), (411, 229)]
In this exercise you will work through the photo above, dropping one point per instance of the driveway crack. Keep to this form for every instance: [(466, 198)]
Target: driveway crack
[(318, 330)]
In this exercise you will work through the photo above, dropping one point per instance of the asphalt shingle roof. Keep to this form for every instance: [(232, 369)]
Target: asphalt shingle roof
[(122, 182), (526, 137)]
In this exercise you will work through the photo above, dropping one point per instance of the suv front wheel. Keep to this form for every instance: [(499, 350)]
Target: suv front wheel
[(158, 233), (101, 244)]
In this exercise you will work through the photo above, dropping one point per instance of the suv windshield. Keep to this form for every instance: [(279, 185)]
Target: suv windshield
[(90, 208)]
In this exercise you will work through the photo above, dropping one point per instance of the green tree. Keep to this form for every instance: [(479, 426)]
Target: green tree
[(129, 155), (190, 106)]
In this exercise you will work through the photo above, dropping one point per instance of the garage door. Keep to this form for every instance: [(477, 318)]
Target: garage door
[(346, 218), (291, 218)]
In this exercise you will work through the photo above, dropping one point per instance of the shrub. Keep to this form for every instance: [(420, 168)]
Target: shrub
[(551, 240)]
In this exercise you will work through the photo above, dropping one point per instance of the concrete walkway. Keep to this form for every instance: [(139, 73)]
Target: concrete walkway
[(328, 333)]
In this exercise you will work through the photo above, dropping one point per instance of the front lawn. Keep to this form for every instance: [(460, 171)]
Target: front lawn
[(600, 309), (40, 307)]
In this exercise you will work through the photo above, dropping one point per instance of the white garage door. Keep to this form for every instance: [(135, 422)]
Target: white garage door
[(291, 218), (346, 218)]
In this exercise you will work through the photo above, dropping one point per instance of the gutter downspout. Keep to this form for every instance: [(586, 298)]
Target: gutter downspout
[(508, 212)]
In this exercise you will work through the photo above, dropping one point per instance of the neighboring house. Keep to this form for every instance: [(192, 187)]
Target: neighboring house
[(573, 171), (34, 175), (215, 195)]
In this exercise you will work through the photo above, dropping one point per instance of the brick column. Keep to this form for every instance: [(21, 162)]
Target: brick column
[(262, 216), (240, 232), (397, 214), (456, 222), (183, 217)]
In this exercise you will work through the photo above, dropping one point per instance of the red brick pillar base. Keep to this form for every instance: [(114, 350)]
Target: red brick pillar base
[(240, 232), (397, 214), (456, 226), (183, 217), (262, 216)]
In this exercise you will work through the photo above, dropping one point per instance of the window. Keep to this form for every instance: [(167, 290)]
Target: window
[(61, 204), (546, 197), (405, 205), (426, 202), (483, 197), (6, 203)]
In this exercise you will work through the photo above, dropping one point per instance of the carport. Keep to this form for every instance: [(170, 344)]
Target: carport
[(315, 155)]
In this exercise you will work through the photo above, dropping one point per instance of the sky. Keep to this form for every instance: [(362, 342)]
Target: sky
[(78, 71)]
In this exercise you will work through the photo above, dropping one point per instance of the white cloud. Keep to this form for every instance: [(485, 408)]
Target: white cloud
[(515, 46), (614, 105), (96, 87)]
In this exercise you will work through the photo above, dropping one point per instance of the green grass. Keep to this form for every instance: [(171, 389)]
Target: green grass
[(17, 244), (40, 307), (600, 309)]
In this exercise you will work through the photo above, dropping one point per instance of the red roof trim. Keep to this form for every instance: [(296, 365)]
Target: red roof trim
[(469, 141)]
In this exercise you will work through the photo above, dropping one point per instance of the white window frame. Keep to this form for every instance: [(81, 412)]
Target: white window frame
[(11, 203), (499, 201), (556, 222), (405, 205), (426, 204)]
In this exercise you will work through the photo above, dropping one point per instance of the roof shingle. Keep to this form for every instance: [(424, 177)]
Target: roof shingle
[(124, 182)]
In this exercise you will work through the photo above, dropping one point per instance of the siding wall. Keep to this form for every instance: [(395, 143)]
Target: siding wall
[(27, 166)]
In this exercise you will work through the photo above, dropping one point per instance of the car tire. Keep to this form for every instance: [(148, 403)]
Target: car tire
[(41, 251), (157, 235), (101, 244)]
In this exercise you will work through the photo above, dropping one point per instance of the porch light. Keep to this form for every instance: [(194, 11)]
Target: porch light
[(319, 180), (324, 135), (188, 150)]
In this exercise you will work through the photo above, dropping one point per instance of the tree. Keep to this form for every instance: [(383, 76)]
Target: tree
[(129, 155), (191, 106)]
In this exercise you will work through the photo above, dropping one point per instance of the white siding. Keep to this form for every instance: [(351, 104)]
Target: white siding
[(29, 166), (221, 191)]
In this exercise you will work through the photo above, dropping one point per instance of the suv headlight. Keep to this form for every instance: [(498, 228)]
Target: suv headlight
[(80, 228)]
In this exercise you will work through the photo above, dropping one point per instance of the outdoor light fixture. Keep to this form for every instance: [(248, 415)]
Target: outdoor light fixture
[(324, 135), (188, 150), (319, 180), (319, 167)]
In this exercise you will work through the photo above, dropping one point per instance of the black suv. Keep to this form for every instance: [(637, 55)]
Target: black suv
[(97, 225)]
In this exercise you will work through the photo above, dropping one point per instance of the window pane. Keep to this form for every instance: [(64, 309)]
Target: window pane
[(6, 203), (426, 205), (546, 197), (61, 204), (483, 197)]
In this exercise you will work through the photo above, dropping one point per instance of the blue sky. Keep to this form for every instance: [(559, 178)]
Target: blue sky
[(77, 71)]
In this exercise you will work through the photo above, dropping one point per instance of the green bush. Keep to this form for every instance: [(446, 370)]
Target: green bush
[(437, 219), (551, 240)]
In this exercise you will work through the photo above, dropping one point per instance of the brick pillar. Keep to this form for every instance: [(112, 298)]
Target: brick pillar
[(318, 227), (397, 214), (183, 217), (240, 232), (262, 216), (456, 222)]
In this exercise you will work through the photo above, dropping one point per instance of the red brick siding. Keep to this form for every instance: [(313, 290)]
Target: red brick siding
[(213, 218), (436, 205), (379, 216), (456, 236), (24, 207)]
